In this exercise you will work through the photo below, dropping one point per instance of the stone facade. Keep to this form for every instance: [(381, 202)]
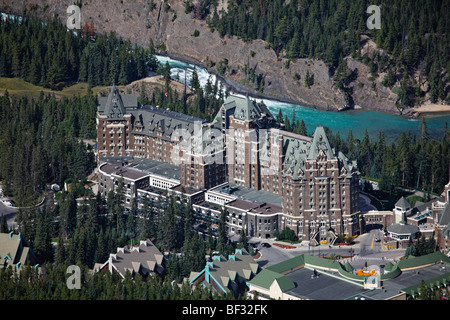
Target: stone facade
[(246, 147)]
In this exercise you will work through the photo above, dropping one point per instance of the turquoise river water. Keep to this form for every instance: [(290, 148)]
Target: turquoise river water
[(357, 120)]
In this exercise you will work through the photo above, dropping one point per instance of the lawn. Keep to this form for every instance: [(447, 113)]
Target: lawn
[(390, 198), (20, 88)]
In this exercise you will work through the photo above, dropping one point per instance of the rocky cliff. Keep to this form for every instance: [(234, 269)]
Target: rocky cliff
[(181, 36)]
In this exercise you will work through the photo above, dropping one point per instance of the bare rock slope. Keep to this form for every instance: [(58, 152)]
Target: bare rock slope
[(174, 32)]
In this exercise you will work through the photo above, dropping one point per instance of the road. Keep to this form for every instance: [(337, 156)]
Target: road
[(10, 213), (364, 203), (365, 251)]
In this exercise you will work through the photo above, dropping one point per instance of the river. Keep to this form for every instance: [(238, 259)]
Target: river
[(357, 120)]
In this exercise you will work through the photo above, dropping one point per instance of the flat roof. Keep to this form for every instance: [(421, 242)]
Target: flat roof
[(249, 194), (267, 209), (146, 166), (412, 277), (242, 204), (120, 170), (170, 113), (406, 279), (208, 205), (186, 190), (262, 196), (153, 190), (326, 286)]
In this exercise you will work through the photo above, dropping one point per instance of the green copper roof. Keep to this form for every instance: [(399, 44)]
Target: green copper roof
[(288, 265), (266, 277), (403, 203), (245, 108), (114, 108), (320, 143), (416, 262)]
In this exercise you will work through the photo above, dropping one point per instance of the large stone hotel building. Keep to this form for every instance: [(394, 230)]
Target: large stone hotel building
[(243, 161)]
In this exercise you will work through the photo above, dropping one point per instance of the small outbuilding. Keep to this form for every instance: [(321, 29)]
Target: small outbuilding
[(402, 231)]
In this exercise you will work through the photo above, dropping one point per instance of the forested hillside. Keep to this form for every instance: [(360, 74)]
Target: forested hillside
[(413, 41), (50, 55), (41, 141), (87, 233), (411, 162)]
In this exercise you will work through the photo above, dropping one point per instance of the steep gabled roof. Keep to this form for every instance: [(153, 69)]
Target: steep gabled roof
[(114, 107), (239, 267), (14, 251), (143, 259), (403, 203), (266, 278), (445, 215), (295, 150), (320, 144), (127, 100), (245, 108)]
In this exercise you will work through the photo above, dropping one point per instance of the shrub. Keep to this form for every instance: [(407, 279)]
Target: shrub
[(286, 234)]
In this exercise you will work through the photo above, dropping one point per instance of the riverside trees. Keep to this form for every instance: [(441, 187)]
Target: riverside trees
[(411, 161), (47, 54), (41, 142), (414, 36)]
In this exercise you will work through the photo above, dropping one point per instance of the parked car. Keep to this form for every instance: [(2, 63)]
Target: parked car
[(265, 245)]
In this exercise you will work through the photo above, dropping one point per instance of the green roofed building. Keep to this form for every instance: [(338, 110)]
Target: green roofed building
[(15, 251), (311, 188), (307, 277), (224, 275)]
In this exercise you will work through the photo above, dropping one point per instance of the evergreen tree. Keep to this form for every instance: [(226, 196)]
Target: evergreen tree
[(3, 225), (195, 82), (42, 244), (167, 234), (60, 254), (243, 240), (222, 238), (194, 254), (309, 79)]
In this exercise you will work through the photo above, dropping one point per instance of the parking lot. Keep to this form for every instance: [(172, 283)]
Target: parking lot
[(365, 251)]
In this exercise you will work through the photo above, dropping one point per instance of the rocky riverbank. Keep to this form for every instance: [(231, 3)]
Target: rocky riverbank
[(182, 37)]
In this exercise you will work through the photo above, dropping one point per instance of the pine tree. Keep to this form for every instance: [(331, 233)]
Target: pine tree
[(389, 80), (123, 76), (167, 75), (222, 238), (60, 254), (424, 131), (309, 79), (42, 245), (302, 128), (167, 233), (195, 82), (423, 291), (3, 225), (101, 253), (243, 240)]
